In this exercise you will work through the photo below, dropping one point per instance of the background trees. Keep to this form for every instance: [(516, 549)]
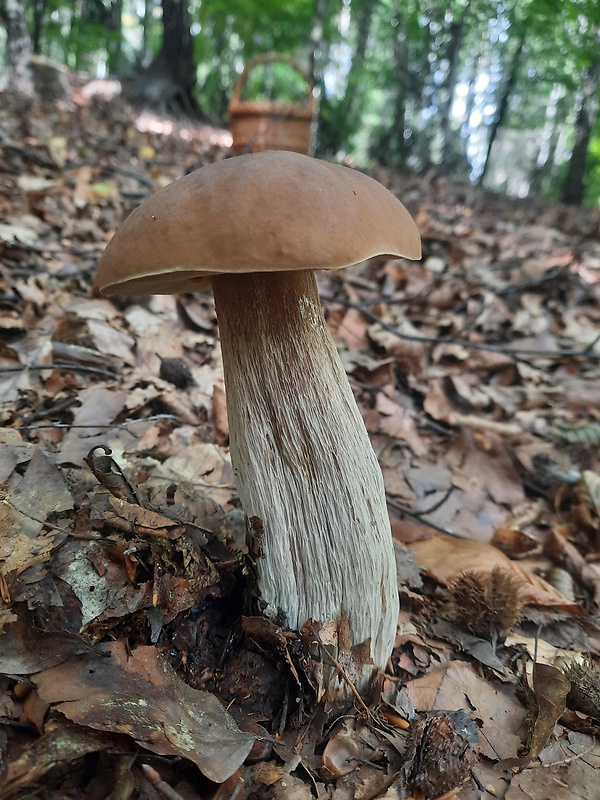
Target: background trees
[(18, 46), (504, 92)]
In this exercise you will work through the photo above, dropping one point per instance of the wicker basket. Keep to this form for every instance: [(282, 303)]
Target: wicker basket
[(268, 125)]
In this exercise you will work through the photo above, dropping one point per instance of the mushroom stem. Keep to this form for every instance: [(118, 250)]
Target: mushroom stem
[(304, 464)]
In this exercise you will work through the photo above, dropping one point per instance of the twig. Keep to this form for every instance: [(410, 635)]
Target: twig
[(342, 672), (162, 787), (593, 343), (437, 505), (492, 348), (73, 367), (417, 516), (547, 277), (119, 170), (125, 424), (48, 412), (284, 711)]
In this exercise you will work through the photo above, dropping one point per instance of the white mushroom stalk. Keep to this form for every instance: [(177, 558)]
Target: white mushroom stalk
[(305, 466)]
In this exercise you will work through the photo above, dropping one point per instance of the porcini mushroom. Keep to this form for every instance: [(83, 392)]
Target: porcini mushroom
[(255, 228)]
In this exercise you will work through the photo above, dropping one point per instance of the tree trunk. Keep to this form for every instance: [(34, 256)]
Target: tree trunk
[(317, 43), (573, 188), (39, 9), (115, 39), (146, 23), (502, 107), (469, 107), (549, 140), (72, 46), (456, 33), (391, 148), (320, 41), (340, 117), (221, 37), (353, 97), (171, 79), (18, 49)]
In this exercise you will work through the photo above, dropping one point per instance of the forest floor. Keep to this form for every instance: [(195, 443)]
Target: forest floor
[(477, 371)]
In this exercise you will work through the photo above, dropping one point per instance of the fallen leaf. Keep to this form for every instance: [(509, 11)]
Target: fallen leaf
[(38, 494), (458, 685), (25, 650), (18, 234), (60, 745), (444, 558), (399, 422), (550, 688), (99, 407), (138, 694)]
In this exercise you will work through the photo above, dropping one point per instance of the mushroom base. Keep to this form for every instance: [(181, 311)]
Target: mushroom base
[(305, 466)]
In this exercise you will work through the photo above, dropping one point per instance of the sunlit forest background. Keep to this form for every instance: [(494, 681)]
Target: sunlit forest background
[(502, 93)]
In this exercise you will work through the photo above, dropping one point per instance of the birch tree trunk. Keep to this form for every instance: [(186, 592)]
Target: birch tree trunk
[(503, 102), (19, 78)]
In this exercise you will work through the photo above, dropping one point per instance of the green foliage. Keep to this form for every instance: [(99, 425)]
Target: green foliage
[(403, 82), (275, 81), (592, 195)]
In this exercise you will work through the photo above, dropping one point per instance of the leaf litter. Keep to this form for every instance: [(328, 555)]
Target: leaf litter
[(129, 664)]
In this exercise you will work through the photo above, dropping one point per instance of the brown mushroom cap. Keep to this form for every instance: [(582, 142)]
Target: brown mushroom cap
[(265, 212)]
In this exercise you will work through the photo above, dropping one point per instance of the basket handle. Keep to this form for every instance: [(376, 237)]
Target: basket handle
[(263, 59)]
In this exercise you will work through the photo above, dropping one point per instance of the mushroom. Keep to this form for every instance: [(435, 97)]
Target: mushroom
[(255, 228)]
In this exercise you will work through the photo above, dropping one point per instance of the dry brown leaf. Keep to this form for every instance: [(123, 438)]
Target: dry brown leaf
[(132, 518), (100, 584), (580, 393), (20, 551), (25, 650), (565, 554), (444, 558), (409, 355), (342, 751), (99, 407), (437, 404), (139, 694), (592, 485), (399, 422), (61, 744), (95, 324), (352, 329), (13, 384), (550, 688), (201, 464), (568, 771), (38, 494), (13, 449), (513, 538), (219, 407), (458, 685), (17, 234), (483, 465)]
